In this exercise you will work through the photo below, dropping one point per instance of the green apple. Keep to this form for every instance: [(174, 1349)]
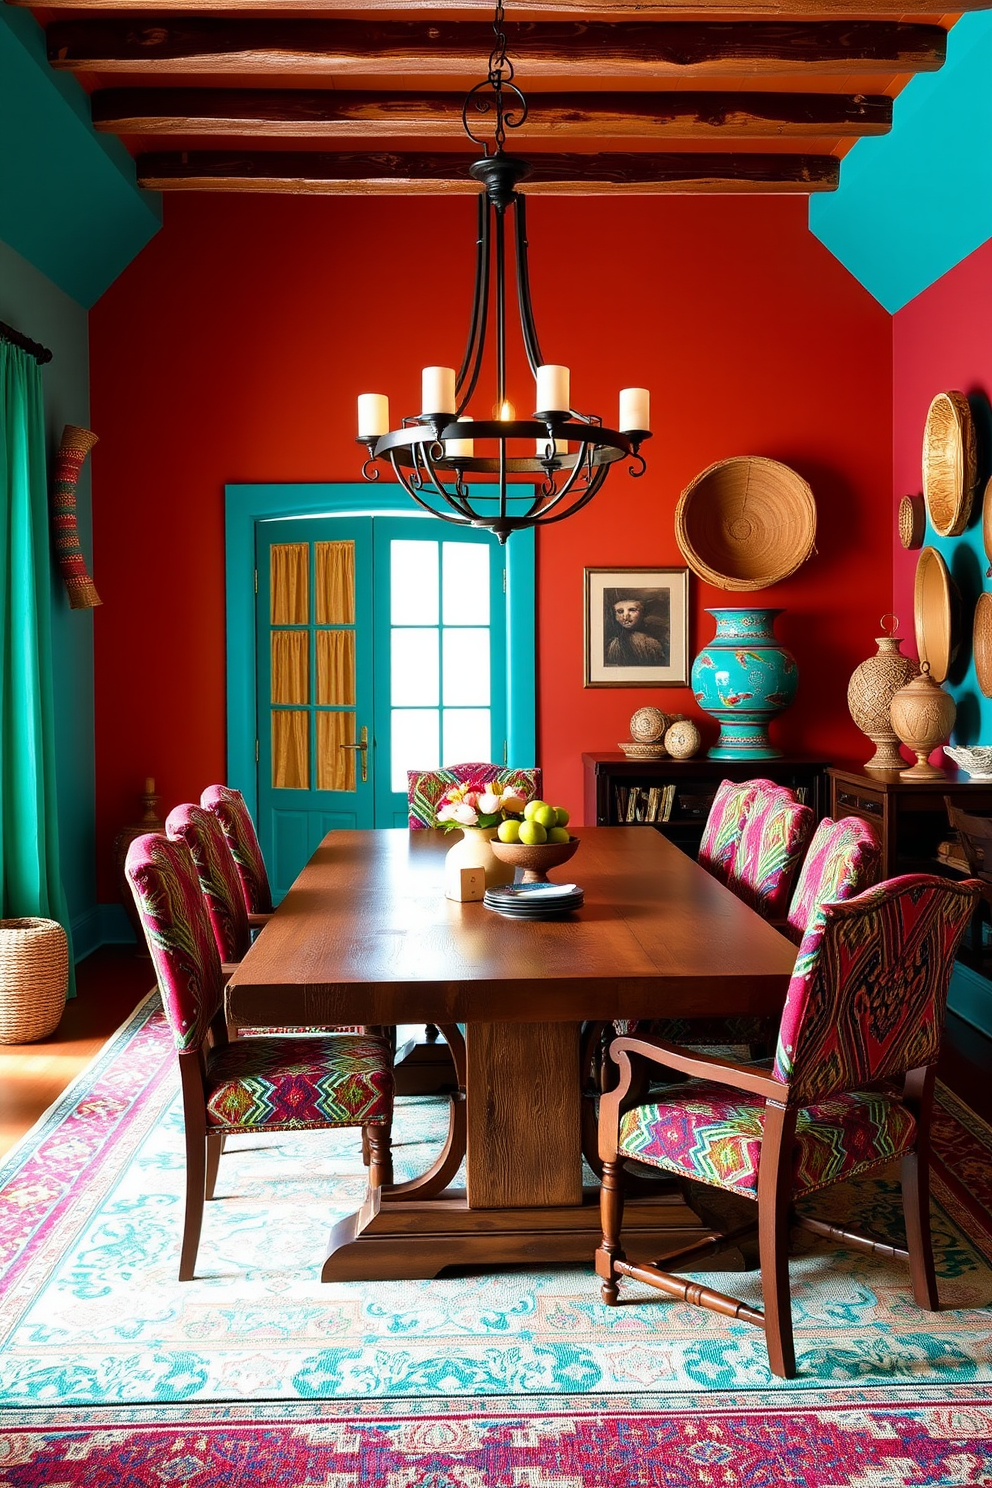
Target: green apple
[(562, 815), (509, 830), (532, 808), (547, 816), (532, 833), (559, 834)]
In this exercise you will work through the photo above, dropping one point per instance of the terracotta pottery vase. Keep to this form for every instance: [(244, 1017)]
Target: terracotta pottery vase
[(474, 850), (744, 677), (923, 716), (870, 691)]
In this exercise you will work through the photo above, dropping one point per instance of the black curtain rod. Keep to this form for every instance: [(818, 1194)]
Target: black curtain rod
[(33, 348)]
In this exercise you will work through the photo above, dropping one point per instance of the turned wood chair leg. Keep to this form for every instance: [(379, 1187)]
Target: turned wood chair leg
[(196, 1175), (611, 1214), (366, 1150), (381, 1155), (215, 1146)]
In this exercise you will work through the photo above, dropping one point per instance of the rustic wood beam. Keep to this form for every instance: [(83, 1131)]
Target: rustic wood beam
[(405, 49), (644, 10), (329, 114), (316, 173)]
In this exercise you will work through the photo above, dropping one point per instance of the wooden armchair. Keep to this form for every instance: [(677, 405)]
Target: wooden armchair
[(252, 1085), (865, 1007)]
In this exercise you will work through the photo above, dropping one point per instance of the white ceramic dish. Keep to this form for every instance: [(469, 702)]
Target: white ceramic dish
[(977, 762)]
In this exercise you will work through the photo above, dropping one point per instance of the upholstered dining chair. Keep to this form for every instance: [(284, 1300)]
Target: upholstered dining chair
[(252, 1085), (843, 859), (725, 822), (769, 850), (228, 806), (865, 1008), (426, 787)]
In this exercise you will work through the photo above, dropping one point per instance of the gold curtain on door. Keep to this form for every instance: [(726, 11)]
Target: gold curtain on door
[(290, 750), (289, 583), (335, 581)]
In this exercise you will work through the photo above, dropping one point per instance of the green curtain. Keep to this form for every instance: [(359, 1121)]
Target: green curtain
[(29, 853)]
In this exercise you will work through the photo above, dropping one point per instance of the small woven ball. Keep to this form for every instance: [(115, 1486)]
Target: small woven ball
[(682, 740), (648, 725)]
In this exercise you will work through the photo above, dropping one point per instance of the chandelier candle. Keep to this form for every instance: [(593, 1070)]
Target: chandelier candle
[(480, 472)]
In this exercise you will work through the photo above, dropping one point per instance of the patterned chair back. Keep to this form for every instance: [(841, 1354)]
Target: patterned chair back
[(844, 859), (770, 847), (869, 991), (177, 928), (426, 787), (220, 882), (228, 806), (725, 823)]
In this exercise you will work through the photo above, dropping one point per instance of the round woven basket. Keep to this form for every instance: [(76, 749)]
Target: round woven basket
[(746, 523), (937, 613), (912, 521), (982, 643), (949, 463), (34, 976)]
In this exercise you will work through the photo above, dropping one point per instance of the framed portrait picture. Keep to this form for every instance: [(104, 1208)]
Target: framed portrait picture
[(637, 627)]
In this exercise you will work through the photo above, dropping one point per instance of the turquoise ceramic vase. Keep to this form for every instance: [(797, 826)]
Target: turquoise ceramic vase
[(744, 677)]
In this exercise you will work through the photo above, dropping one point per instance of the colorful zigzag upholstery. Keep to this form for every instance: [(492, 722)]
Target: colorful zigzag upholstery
[(426, 787), (282, 1084), (843, 859), (203, 836), (713, 1135), (228, 806), (725, 823), (769, 850)]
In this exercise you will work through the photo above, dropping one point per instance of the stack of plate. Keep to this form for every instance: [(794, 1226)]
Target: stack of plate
[(534, 901)]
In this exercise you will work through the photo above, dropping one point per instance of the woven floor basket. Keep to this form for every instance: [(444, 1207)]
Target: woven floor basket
[(746, 523), (34, 975)]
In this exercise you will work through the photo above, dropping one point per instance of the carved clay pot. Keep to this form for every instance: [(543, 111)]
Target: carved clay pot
[(870, 691), (923, 716)]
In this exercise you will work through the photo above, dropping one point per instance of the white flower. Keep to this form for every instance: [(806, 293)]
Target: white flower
[(489, 804), (465, 815)]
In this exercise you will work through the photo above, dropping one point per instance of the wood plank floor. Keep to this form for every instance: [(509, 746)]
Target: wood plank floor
[(114, 980)]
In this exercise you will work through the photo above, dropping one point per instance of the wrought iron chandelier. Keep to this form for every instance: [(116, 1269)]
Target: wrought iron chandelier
[(434, 453)]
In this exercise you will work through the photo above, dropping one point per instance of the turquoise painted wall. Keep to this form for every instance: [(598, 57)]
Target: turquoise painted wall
[(915, 202), (69, 203), (44, 312)]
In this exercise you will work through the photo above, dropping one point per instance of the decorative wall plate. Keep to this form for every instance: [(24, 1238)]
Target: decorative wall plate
[(987, 525), (937, 611), (949, 463), (982, 643)]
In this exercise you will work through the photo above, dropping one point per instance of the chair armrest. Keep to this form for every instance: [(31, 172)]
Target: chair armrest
[(259, 921), (703, 1066)]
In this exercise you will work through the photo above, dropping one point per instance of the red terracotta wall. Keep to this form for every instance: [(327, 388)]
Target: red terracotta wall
[(232, 350)]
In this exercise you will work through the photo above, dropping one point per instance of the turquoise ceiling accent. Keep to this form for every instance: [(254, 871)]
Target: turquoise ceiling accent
[(913, 203), (69, 201)]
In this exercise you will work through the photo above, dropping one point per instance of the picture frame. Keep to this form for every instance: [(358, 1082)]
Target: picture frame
[(636, 627)]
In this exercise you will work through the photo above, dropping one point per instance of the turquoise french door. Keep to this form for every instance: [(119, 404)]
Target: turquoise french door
[(381, 646)]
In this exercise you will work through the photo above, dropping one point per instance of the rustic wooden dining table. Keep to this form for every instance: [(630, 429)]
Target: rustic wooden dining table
[(365, 935)]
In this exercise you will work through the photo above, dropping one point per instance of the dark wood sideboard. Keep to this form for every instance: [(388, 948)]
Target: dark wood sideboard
[(910, 816), (612, 779)]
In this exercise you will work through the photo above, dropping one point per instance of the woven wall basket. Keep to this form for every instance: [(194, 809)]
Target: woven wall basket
[(34, 975), (746, 523), (982, 643), (912, 521), (937, 613), (949, 463)]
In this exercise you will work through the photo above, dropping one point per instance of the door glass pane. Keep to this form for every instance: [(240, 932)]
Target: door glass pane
[(466, 583), (413, 672), (414, 743), (290, 666), (335, 766), (289, 583), (466, 668), (335, 583), (290, 750), (335, 667), (467, 736), (413, 583)]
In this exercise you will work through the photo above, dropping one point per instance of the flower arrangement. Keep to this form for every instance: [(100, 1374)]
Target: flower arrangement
[(479, 804)]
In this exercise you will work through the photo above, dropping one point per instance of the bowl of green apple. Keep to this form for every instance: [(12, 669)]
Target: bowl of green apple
[(539, 842)]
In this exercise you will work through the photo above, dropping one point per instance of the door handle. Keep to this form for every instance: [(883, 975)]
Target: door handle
[(362, 746)]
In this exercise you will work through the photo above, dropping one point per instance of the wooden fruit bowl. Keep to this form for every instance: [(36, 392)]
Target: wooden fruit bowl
[(535, 860)]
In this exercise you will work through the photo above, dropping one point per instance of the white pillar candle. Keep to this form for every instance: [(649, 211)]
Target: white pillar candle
[(635, 409), (541, 447), (373, 415), (437, 393), (552, 389), (464, 448)]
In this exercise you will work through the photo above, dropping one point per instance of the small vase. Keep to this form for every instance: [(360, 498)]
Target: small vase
[(923, 716), (473, 851), (870, 691), (744, 677)]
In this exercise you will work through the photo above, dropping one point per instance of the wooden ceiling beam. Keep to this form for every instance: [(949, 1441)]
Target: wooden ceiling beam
[(313, 173), (644, 10), (413, 51), (330, 114)]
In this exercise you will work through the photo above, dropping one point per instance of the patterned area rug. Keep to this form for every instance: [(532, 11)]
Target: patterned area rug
[(112, 1372)]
